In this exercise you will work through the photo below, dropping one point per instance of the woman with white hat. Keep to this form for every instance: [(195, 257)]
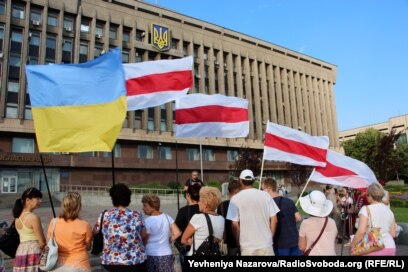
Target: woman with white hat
[(317, 234)]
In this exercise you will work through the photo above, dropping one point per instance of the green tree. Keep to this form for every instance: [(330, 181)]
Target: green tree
[(247, 159), (299, 174), (379, 151)]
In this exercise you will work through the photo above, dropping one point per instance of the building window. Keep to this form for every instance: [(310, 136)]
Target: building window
[(2, 7), (87, 154), (193, 154), (1, 37), (85, 25), (138, 119), (126, 35), (140, 35), (174, 44), (150, 119), (83, 51), (34, 47), (52, 19), (139, 55), (17, 11), (208, 155), (99, 30), (185, 49), (14, 66), (16, 41), (164, 153), (67, 51), (22, 145), (232, 155), (113, 32), (98, 50), (144, 152), (68, 24), (125, 56), (116, 152), (51, 44), (36, 17)]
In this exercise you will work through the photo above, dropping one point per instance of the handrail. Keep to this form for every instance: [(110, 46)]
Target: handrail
[(104, 190)]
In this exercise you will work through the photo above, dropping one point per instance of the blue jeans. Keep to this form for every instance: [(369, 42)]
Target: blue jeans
[(293, 251)]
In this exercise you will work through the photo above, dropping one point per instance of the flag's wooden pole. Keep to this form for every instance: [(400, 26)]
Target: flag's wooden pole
[(201, 161), (260, 175), (177, 178), (304, 188)]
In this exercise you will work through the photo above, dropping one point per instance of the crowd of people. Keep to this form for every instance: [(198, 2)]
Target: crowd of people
[(251, 222)]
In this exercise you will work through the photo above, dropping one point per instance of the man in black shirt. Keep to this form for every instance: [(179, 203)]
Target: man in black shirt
[(193, 180)]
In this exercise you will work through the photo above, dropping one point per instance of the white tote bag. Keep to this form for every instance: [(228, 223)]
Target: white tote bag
[(49, 256)]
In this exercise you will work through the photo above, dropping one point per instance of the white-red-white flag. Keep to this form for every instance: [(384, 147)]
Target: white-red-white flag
[(344, 171), (290, 145), (201, 115), (153, 83)]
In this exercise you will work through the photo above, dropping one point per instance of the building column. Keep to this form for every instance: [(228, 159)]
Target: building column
[(292, 101), (279, 100), (312, 106), (323, 107), (334, 116), (264, 97), (328, 111), (308, 127), (257, 104), (230, 75), (300, 102), (286, 98), (272, 95), (318, 111), (248, 96)]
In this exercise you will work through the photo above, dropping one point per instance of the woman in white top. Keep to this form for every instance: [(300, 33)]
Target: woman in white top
[(161, 230), (381, 216), (197, 228)]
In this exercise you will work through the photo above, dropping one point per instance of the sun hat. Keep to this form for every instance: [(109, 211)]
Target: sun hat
[(315, 203), (246, 175)]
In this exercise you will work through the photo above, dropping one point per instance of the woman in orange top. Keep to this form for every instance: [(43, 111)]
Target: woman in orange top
[(73, 236)]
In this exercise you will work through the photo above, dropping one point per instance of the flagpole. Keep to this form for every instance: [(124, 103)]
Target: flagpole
[(201, 161), (262, 166), (307, 182), (48, 186), (113, 164)]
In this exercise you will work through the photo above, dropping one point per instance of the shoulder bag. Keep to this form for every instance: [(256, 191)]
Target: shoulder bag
[(49, 256), (10, 240), (372, 240), (97, 242), (209, 247), (307, 251)]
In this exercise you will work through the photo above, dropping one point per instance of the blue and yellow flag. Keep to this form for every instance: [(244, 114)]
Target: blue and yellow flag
[(78, 107)]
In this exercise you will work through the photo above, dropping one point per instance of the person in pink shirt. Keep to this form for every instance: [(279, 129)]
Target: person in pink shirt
[(72, 235)]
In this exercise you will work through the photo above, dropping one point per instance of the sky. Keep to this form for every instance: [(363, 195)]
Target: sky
[(366, 39)]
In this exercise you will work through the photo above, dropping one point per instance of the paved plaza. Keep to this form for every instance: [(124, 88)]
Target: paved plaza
[(90, 213)]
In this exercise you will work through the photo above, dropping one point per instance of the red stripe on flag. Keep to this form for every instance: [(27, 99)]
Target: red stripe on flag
[(332, 170), (173, 81), (211, 113), (296, 148)]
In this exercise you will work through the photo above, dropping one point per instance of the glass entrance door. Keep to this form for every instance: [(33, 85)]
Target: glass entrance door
[(9, 184)]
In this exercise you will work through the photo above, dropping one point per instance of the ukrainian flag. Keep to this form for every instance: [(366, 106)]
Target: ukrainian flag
[(78, 107)]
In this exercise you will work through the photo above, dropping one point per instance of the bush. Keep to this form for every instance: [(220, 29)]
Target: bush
[(173, 185), (398, 203), (214, 183)]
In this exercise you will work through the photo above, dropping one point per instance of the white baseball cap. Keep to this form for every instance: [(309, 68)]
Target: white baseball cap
[(246, 175)]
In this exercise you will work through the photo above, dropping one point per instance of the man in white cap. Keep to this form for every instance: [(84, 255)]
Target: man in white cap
[(253, 215)]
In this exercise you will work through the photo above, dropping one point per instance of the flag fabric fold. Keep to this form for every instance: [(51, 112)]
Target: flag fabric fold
[(290, 145), (201, 115), (78, 107), (344, 171), (153, 83)]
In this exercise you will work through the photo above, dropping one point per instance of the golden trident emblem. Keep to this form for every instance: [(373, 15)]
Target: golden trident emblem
[(160, 37)]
